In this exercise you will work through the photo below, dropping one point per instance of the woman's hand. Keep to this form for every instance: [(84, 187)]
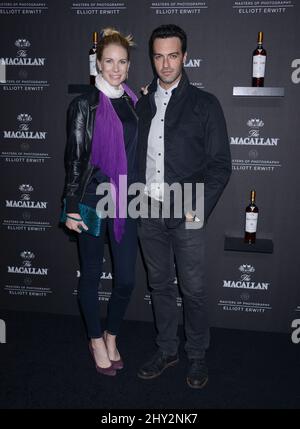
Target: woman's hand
[(74, 224), (144, 89)]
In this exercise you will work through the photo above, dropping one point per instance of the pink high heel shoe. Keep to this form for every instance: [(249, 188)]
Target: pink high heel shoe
[(110, 370), (116, 364)]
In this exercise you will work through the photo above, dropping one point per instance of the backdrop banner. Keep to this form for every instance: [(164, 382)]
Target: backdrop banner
[(44, 48)]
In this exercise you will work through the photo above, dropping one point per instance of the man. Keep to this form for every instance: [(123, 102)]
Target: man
[(182, 139)]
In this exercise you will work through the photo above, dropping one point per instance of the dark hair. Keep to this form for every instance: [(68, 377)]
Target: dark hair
[(165, 31), (110, 36)]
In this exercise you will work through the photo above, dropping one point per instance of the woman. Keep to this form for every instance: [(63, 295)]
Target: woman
[(102, 139)]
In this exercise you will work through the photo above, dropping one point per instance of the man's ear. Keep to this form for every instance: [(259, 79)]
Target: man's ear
[(184, 57)]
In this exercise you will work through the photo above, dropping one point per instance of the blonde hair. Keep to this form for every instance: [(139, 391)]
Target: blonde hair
[(111, 36)]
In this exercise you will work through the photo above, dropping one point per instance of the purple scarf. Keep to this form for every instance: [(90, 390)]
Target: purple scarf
[(108, 152)]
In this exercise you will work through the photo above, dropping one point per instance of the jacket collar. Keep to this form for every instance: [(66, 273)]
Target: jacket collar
[(94, 98)]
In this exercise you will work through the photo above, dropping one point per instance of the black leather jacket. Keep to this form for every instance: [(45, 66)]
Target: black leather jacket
[(80, 125)]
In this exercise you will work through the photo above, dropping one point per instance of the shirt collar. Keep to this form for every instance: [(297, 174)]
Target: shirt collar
[(161, 92)]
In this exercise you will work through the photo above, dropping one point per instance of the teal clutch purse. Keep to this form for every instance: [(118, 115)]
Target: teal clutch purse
[(89, 217)]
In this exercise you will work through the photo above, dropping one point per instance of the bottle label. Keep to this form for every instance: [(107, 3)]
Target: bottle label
[(93, 69), (251, 222), (259, 64)]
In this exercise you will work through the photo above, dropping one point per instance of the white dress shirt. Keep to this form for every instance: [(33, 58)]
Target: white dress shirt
[(156, 150)]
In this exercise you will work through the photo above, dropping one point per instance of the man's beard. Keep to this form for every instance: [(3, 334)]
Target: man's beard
[(170, 79)]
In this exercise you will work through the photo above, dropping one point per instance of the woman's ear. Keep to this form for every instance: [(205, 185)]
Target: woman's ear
[(99, 66)]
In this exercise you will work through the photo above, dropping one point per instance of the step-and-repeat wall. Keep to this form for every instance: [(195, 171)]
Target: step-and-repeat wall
[(44, 48)]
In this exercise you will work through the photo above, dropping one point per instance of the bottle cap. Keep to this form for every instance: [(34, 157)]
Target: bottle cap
[(95, 37), (252, 195)]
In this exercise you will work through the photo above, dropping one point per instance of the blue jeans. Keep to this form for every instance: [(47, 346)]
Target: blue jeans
[(91, 250)]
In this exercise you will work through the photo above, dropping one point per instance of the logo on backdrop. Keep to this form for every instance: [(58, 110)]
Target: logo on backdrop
[(23, 131), (27, 258), (21, 58), (25, 200), (193, 63), (245, 294), (21, 65), (254, 138), (30, 273), (24, 137), (26, 219), (21, 8), (97, 8), (178, 7), (254, 160), (245, 280), (295, 76), (255, 7)]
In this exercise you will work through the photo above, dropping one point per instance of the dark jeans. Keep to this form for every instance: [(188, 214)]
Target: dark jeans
[(160, 244), (91, 251)]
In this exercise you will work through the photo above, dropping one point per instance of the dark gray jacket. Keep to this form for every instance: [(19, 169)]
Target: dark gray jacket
[(195, 138)]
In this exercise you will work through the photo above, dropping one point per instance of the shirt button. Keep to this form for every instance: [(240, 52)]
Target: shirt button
[(162, 120), (165, 104), (166, 93), (159, 154), (160, 137), (158, 171)]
